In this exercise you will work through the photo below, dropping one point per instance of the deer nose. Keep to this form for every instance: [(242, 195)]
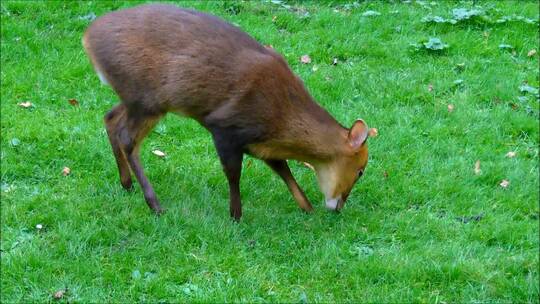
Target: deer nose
[(334, 204)]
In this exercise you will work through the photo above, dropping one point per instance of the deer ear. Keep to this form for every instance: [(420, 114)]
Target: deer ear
[(358, 134)]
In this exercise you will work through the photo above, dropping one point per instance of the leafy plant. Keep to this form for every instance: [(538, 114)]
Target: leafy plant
[(476, 15), (432, 44)]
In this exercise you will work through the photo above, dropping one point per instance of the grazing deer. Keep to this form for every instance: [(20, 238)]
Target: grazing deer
[(161, 58)]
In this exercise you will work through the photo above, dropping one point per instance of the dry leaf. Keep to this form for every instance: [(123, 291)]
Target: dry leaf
[(309, 166), (477, 168), (373, 132), (66, 171), (274, 19), (59, 294), (305, 59), (430, 87), (511, 154), (335, 61), (531, 53), (73, 102), (504, 183), (26, 104), (450, 107), (158, 153)]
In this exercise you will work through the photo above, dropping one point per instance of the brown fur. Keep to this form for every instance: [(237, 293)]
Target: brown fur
[(160, 58)]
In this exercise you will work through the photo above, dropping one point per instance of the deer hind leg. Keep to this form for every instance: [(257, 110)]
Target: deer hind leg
[(130, 136), (114, 121)]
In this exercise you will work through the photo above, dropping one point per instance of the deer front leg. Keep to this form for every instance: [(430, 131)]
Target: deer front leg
[(282, 169)]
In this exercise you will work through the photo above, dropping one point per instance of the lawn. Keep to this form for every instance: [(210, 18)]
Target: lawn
[(422, 225)]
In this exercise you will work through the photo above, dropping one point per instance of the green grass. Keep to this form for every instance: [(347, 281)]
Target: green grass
[(400, 237)]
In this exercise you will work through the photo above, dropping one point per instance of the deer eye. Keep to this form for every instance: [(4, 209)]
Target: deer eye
[(360, 173)]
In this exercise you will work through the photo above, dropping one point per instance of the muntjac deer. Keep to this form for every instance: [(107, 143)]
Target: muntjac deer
[(161, 58)]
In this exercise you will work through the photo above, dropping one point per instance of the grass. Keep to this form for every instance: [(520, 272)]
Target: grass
[(420, 226)]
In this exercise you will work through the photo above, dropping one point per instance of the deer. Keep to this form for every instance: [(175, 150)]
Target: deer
[(160, 58)]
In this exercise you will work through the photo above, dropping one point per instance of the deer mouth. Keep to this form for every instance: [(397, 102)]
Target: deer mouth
[(334, 204)]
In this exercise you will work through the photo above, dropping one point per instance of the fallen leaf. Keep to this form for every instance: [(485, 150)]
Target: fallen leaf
[(90, 17), (66, 171), (373, 132), (531, 53), (309, 166), (73, 102), (136, 274), (26, 104), (430, 87), (458, 82), (477, 169), (371, 14), (335, 61), (450, 107), (59, 294), (15, 141), (274, 19), (473, 218), (505, 183), (305, 59), (511, 154), (158, 153)]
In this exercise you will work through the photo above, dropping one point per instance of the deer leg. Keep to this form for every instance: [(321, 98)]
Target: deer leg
[(231, 156), (113, 122), (282, 169), (131, 136)]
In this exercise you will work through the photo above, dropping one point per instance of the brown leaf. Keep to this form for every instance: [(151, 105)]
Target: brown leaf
[(450, 107), (477, 169), (373, 132), (59, 294), (73, 102), (511, 154), (430, 87), (305, 59), (531, 53), (309, 166), (26, 104), (158, 153), (66, 171), (504, 183)]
